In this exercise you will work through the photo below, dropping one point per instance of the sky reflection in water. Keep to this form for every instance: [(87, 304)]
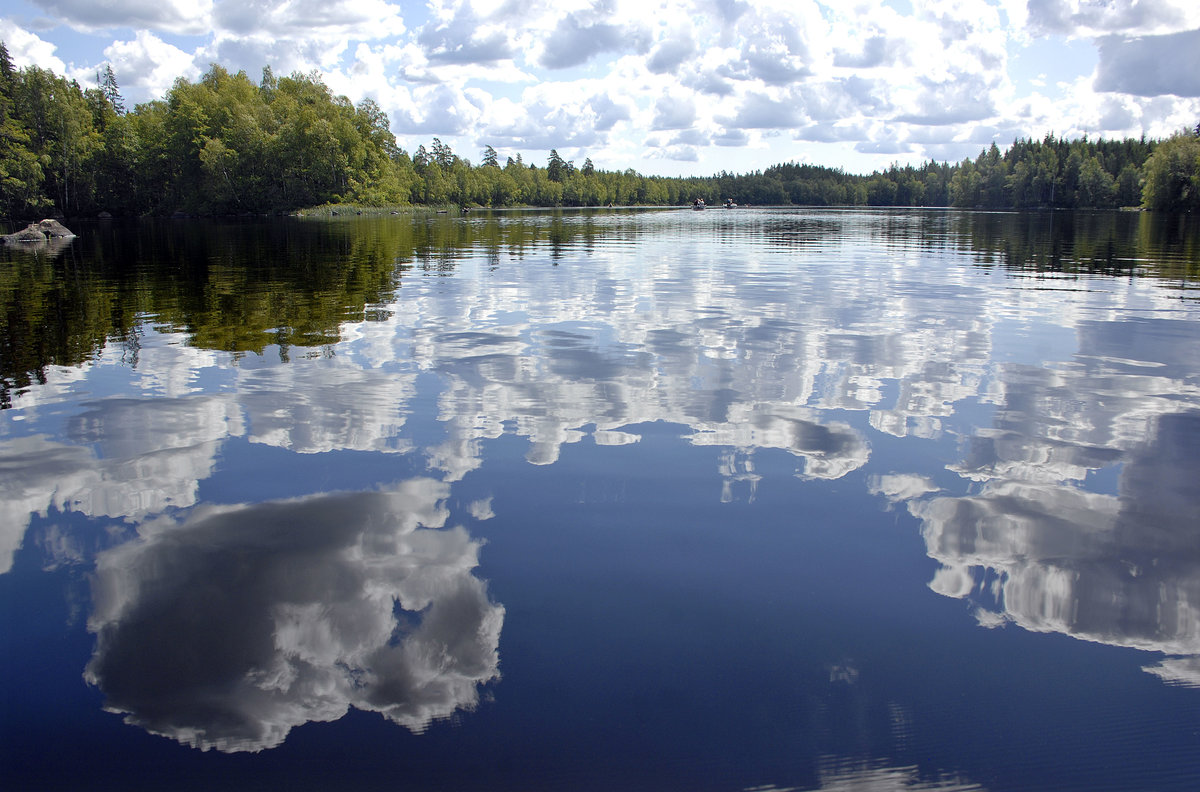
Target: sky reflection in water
[(654, 420)]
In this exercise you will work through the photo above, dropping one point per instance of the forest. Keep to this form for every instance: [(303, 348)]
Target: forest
[(228, 145)]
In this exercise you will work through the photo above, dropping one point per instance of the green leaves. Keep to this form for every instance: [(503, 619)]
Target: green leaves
[(226, 144), (1172, 175)]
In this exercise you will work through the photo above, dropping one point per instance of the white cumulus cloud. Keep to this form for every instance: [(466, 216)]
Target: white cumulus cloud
[(854, 85)]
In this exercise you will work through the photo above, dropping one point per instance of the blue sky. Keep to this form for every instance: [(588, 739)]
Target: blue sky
[(671, 87)]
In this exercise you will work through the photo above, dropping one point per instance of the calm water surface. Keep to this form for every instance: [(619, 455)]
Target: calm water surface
[(723, 500)]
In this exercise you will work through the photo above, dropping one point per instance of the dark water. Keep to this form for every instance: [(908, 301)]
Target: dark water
[(732, 500)]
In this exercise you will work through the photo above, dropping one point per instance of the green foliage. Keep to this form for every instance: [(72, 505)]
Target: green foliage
[(21, 174), (225, 145), (1172, 175), (218, 146), (1095, 186)]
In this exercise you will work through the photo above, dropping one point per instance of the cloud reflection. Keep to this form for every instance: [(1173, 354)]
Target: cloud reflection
[(1118, 569), (750, 359), (242, 622), (828, 450), (125, 459), (848, 775), (1037, 541)]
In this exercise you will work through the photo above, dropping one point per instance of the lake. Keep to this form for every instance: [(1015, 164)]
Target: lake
[(753, 499)]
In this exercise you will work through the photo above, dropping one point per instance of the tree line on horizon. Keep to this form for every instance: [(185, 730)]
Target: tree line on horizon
[(228, 145)]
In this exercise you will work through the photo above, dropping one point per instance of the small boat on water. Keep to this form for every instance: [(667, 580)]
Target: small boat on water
[(729, 204), (699, 204)]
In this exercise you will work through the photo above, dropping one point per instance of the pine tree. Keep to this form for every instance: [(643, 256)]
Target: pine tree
[(6, 68), (442, 154), (555, 168), (108, 84)]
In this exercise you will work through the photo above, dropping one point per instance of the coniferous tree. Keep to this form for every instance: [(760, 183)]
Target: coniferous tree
[(556, 168), (108, 86)]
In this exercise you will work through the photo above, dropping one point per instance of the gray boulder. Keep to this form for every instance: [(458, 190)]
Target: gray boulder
[(30, 233), (55, 229), (39, 232)]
